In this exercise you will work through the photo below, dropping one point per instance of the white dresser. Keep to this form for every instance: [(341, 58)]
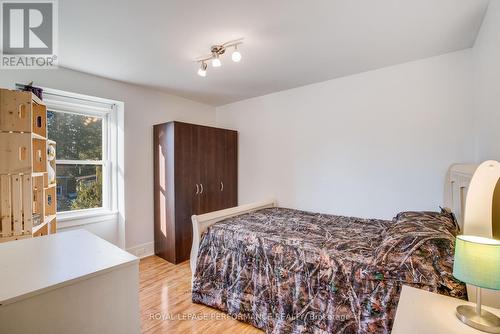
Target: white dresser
[(70, 282)]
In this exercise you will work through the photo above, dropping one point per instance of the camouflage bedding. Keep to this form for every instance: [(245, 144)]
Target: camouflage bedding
[(290, 271)]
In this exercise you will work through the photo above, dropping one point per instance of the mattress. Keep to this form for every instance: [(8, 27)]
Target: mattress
[(291, 271)]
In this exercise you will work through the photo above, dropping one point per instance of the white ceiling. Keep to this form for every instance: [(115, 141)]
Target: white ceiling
[(288, 43)]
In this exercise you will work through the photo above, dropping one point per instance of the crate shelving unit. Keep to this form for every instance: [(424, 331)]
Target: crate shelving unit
[(27, 200)]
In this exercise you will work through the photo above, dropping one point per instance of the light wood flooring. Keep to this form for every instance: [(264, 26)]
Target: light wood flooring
[(166, 306)]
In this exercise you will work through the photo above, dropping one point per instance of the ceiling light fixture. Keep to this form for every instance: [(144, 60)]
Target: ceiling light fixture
[(236, 56), (216, 51), (216, 61), (202, 71)]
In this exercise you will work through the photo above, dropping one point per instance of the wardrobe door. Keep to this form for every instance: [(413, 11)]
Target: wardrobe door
[(220, 170), (231, 171), (226, 169), (164, 213), (206, 151), (187, 188)]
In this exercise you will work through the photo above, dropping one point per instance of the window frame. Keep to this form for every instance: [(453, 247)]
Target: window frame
[(105, 155), (112, 154)]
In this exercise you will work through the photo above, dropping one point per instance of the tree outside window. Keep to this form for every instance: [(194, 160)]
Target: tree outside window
[(79, 167)]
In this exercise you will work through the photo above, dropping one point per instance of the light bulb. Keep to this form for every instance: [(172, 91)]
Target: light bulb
[(216, 62), (236, 56), (202, 71)]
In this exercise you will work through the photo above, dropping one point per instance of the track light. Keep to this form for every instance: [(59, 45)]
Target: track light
[(236, 55), (216, 51), (202, 71), (216, 61)]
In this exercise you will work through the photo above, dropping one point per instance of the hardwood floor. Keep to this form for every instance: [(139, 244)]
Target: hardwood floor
[(166, 307)]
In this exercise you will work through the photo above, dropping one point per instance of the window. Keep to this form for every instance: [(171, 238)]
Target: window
[(85, 132), (79, 162)]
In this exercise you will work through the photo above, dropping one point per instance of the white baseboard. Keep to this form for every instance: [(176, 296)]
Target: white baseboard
[(143, 250)]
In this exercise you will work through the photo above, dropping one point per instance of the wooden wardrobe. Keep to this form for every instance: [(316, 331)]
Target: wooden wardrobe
[(195, 172)]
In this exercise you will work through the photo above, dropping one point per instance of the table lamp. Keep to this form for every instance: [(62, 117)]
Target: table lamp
[(477, 262)]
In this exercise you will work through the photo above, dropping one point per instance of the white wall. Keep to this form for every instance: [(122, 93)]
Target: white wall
[(366, 145), (486, 71), (486, 60), (143, 108)]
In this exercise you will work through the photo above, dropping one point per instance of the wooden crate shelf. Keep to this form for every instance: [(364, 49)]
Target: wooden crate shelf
[(47, 226), (39, 119), (38, 198), (16, 205), (22, 154), (28, 203), (16, 153), (35, 136), (41, 231), (39, 161), (50, 201), (22, 112)]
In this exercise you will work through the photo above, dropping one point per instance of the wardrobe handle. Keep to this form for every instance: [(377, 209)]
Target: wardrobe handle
[(201, 185), (197, 189), (221, 186)]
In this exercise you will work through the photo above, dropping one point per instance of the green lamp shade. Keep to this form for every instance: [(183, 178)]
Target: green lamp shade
[(477, 261)]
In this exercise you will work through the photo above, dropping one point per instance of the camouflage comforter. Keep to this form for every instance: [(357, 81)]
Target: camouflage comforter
[(290, 271)]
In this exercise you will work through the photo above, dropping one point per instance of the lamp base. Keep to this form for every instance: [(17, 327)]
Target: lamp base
[(486, 322)]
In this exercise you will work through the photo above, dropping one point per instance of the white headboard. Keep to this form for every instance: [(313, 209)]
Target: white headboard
[(477, 185), (456, 187)]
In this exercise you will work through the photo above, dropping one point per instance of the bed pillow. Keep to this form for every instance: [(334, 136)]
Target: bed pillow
[(444, 217), (418, 248)]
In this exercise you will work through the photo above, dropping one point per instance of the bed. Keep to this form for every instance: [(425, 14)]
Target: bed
[(290, 271)]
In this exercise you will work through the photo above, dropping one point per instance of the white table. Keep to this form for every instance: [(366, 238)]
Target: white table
[(421, 311), (69, 282)]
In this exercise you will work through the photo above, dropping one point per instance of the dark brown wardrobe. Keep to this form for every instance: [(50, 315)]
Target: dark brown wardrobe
[(195, 172)]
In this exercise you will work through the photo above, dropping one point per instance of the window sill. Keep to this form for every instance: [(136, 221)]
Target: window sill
[(85, 217)]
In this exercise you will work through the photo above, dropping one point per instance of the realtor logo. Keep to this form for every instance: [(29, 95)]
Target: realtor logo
[(29, 32)]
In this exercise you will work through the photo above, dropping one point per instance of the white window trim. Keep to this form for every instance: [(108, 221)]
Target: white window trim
[(113, 181)]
